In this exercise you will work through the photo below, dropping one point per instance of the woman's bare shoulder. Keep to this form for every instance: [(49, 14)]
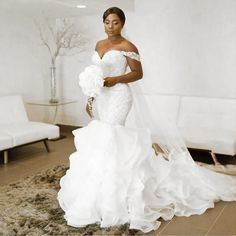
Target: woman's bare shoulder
[(129, 46)]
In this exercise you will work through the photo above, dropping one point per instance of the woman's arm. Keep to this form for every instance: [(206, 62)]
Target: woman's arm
[(135, 74), (135, 67)]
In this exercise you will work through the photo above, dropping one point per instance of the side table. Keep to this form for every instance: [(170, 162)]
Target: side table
[(61, 102)]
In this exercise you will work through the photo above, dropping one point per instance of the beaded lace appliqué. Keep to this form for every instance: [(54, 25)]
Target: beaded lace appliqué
[(132, 55)]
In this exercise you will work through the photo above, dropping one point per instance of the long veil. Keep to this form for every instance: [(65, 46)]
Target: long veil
[(146, 113)]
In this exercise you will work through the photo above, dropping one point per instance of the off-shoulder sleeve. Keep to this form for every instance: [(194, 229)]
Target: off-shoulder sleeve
[(132, 55)]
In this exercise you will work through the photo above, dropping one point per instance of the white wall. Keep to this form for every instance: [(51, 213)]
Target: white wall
[(24, 62), (187, 48)]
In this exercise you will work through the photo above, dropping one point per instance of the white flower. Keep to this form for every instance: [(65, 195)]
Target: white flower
[(91, 80)]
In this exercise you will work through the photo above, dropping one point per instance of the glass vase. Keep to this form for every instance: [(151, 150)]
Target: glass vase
[(53, 85)]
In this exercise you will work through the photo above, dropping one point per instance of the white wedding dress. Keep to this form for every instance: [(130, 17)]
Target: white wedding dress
[(115, 176)]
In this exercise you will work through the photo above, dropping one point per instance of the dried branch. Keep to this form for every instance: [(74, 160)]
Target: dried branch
[(51, 30), (42, 38), (64, 38)]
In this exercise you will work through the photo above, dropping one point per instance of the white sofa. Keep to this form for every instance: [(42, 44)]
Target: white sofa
[(204, 122), (16, 129), (209, 123)]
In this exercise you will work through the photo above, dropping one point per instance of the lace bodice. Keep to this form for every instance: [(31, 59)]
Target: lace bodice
[(114, 62), (114, 103)]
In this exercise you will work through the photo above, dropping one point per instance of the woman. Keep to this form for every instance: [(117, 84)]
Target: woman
[(115, 176)]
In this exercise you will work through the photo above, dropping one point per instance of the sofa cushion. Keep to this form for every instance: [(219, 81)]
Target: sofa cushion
[(219, 141), (209, 123), (216, 113), (12, 109), (6, 141), (27, 132)]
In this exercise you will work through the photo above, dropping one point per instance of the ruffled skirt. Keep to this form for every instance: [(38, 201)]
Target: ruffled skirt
[(116, 178)]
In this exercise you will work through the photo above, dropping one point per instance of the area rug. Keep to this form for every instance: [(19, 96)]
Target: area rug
[(29, 207)]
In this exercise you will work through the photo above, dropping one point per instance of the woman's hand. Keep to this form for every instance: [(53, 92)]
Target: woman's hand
[(110, 81)]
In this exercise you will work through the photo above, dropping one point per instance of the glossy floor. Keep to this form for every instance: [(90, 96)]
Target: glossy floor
[(28, 160)]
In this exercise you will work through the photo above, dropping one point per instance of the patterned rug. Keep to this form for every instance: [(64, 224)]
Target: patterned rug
[(29, 207)]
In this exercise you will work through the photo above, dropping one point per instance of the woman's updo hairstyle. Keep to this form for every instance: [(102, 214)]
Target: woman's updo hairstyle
[(117, 11)]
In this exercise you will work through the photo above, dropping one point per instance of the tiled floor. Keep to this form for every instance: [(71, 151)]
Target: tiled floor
[(28, 160)]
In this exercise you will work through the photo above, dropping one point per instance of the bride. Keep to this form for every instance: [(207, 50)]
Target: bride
[(115, 177)]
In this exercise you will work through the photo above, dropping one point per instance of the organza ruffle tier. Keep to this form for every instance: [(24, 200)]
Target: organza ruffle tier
[(115, 178)]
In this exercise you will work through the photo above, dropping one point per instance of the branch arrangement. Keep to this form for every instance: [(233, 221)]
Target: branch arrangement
[(61, 38)]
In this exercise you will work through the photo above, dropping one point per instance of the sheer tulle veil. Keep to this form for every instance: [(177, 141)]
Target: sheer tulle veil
[(146, 113)]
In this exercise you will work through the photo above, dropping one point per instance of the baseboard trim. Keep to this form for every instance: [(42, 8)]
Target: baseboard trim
[(67, 128)]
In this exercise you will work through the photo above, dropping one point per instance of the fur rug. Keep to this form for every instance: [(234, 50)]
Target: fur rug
[(29, 207)]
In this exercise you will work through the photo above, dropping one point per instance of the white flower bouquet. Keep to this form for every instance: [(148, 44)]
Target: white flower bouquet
[(91, 80)]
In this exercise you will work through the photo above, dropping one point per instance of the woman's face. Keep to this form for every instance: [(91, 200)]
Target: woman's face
[(113, 25)]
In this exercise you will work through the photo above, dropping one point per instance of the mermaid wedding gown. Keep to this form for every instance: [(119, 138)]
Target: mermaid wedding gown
[(115, 176)]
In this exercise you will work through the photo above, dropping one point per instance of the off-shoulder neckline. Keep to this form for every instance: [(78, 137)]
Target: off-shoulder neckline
[(110, 50)]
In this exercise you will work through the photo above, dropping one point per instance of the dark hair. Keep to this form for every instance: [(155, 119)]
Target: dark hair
[(117, 11)]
